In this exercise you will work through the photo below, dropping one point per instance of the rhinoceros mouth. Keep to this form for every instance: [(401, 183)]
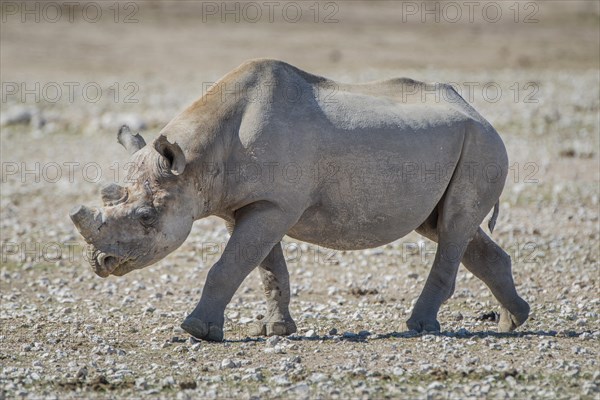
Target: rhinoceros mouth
[(123, 268)]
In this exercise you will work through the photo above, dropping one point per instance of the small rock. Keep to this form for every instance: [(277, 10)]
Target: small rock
[(187, 385), (127, 300), (234, 315), (457, 316), (196, 346), (435, 386), (318, 377), (253, 376), (274, 350), (300, 389), (168, 381), (227, 364), (17, 115), (510, 380), (141, 383), (273, 340), (280, 380)]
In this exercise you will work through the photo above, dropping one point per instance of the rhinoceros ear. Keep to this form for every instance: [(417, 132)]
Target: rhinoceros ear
[(130, 141), (172, 152)]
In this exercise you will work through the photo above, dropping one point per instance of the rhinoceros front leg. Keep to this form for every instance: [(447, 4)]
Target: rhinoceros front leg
[(258, 227), (276, 284)]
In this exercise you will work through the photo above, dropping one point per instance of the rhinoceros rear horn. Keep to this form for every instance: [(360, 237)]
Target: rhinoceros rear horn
[(113, 194), (130, 141), (172, 153)]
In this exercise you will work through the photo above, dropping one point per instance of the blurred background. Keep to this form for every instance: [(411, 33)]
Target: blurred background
[(168, 50)]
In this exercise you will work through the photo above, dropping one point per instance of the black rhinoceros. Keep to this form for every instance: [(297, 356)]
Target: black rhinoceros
[(276, 151)]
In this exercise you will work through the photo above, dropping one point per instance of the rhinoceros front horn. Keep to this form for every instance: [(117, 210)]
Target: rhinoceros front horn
[(86, 220), (172, 152), (130, 141)]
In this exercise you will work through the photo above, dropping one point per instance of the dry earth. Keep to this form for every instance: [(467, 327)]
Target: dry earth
[(66, 333)]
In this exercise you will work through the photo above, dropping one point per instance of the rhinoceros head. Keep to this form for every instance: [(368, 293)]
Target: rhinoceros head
[(143, 222)]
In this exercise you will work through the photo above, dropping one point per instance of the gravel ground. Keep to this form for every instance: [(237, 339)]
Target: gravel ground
[(66, 333)]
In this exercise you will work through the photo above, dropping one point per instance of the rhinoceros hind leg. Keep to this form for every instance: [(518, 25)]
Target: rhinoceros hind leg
[(276, 285), (509, 321), (468, 198), (278, 328), (488, 262), (506, 322)]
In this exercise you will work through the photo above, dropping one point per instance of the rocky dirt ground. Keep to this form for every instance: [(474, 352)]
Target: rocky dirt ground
[(66, 333)]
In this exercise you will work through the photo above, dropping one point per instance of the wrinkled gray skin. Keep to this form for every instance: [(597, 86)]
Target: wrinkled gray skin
[(274, 150)]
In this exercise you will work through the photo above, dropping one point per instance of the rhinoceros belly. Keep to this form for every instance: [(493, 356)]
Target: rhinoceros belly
[(368, 203)]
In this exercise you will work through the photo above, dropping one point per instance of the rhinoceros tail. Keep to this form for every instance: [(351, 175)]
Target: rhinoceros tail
[(492, 221)]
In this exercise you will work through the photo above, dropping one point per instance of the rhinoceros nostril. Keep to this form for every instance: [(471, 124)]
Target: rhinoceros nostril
[(108, 263), (103, 264)]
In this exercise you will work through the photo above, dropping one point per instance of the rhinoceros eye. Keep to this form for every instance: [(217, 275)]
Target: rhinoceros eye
[(146, 215)]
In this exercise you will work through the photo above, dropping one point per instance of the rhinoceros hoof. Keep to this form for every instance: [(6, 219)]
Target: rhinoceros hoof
[(509, 322), (280, 328), (202, 330), (422, 325)]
